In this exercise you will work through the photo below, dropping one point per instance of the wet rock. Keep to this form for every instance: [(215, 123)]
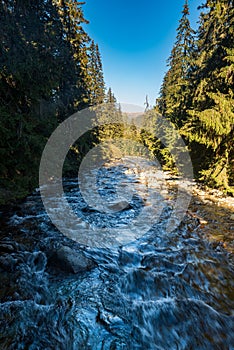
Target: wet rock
[(120, 205), (89, 210), (70, 260)]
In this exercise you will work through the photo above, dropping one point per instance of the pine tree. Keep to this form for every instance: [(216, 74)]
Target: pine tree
[(212, 116), (32, 53), (43, 79), (110, 116), (100, 77), (97, 85), (175, 92), (110, 97), (74, 90)]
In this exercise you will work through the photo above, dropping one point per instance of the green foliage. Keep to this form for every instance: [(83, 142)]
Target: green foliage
[(111, 127), (197, 91), (44, 78), (175, 92), (159, 136), (211, 114), (96, 80)]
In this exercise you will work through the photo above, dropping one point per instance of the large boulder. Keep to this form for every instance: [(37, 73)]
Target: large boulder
[(71, 260)]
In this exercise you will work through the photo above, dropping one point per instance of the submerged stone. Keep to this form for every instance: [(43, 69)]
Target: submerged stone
[(120, 205), (71, 260)]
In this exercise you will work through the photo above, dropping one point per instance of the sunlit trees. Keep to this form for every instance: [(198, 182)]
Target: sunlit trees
[(211, 121), (175, 92), (197, 91)]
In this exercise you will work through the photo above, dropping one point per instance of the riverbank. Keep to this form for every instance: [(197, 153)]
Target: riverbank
[(213, 209), (167, 290), (216, 215)]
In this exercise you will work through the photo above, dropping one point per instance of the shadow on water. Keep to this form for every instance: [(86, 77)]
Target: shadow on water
[(162, 291)]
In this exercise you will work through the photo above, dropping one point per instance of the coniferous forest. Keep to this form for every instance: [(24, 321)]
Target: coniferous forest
[(51, 68), (198, 89), (119, 233)]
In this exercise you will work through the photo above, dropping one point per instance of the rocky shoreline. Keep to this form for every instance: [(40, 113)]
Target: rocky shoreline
[(57, 293)]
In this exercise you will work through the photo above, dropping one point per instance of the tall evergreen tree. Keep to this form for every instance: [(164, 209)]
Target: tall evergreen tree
[(43, 79), (100, 77), (212, 115), (74, 89), (175, 92), (97, 85), (33, 53), (197, 91), (110, 115), (110, 97)]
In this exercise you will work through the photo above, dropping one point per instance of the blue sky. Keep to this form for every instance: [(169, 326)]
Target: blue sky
[(135, 40)]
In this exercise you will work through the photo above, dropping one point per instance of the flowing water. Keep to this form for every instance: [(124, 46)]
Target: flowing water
[(161, 290)]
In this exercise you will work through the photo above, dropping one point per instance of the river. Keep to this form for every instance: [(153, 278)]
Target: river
[(156, 290)]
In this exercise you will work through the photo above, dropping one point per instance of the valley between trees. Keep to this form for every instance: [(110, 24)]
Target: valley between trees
[(50, 68)]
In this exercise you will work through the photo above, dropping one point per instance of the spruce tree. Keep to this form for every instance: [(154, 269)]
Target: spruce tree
[(110, 116), (175, 92), (97, 85), (32, 54), (74, 90), (43, 79), (100, 77), (110, 97), (211, 121)]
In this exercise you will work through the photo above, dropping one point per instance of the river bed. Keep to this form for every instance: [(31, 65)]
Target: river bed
[(147, 289)]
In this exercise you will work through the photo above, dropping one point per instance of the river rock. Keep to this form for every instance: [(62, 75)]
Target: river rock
[(71, 260), (232, 217), (119, 205)]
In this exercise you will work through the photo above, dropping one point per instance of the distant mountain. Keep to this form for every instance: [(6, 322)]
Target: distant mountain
[(136, 117)]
